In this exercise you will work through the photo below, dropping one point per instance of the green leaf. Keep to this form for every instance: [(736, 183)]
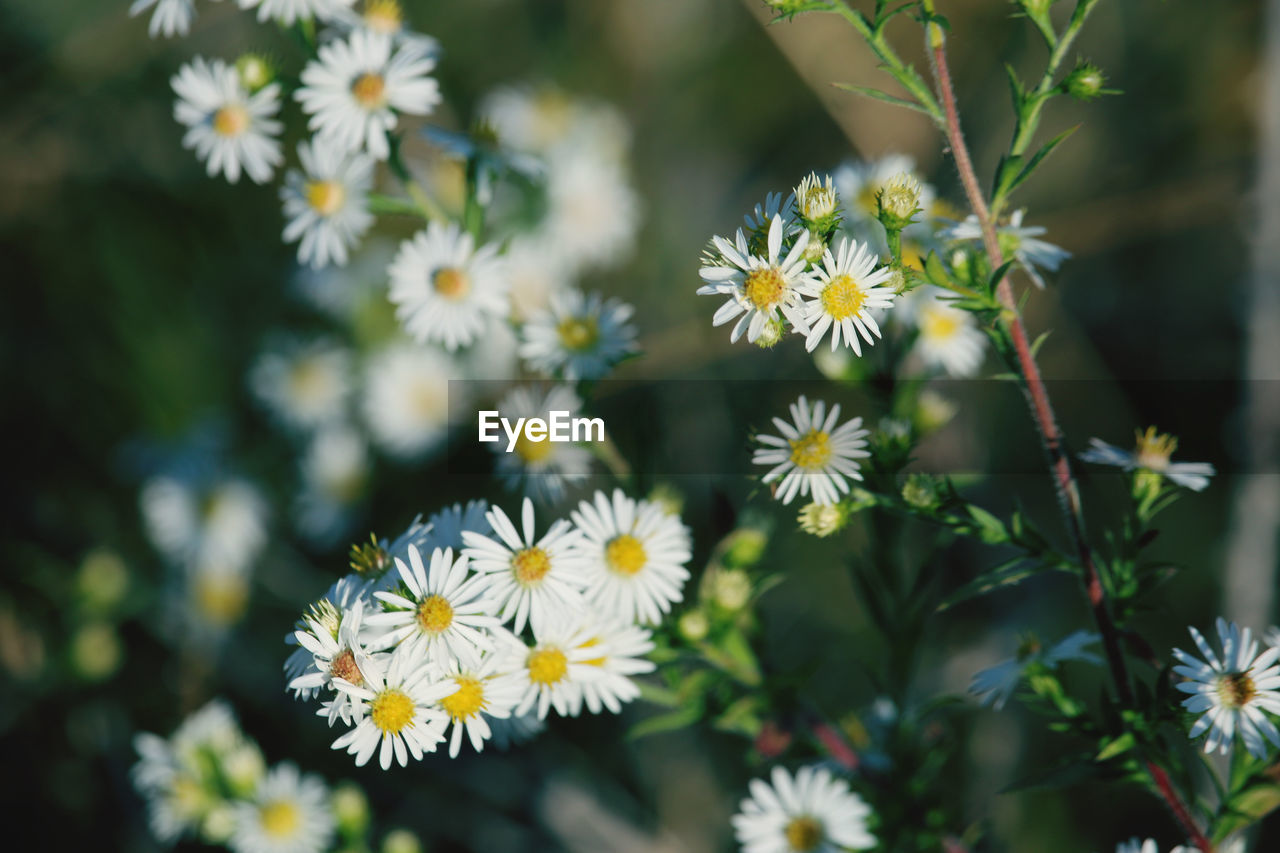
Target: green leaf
[(1119, 746), (876, 94), (1037, 159), (1246, 808), (991, 528), (1040, 339), (665, 722), (1006, 173), (935, 271), (1008, 573), (1015, 87)]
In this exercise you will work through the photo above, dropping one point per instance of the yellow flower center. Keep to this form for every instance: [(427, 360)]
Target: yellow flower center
[(369, 90), (392, 711), (467, 701), (1153, 449), (1236, 689), (530, 565), (547, 666), (231, 120), (532, 451), (843, 297), (451, 283), (578, 333), (435, 614), (280, 818), (625, 555), (344, 666), (383, 16), (803, 834), (325, 196), (811, 450), (939, 323), (764, 287)]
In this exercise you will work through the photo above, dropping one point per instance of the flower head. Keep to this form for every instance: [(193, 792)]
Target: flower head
[(843, 295), (810, 812), (325, 202), (994, 686), (289, 813), (814, 454), (229, 127), (578, 336), (1235, 693), (1153, 451)]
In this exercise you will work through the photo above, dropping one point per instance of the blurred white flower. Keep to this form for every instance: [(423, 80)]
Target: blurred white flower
[(592, 213), (947, 337), (385, 17), (812, 812), (289, 813), (578, 336), (223, 523), (993, 686), (170, 18), (406, 399), (230, 128), (303, 383), (1152, 452), (325, 203), (1017, 242), (541, 469)]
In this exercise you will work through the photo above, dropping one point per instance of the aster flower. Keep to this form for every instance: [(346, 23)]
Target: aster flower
[(1017, 241), (445, 289), (813, 456), (1152, 452), (947, 337), (816, 198), (844, 292), (486, 692), (289, 813), (536, 272), (1135, 845), (811, 812), (546, 120), (304, 384), (325, 203), (287, 11), (222, 523), (578, 337), (758, 287), (635, 555), (592, 212), (406, 399), (448, 524), (385, 17), (555, 667), (1234, 693), (334, 471), (357, 86), (170, 18), (446, 610), (759, 220), (994, 686), (396, 709), (860, 183), (341, 652), (230, 128), (541, 468), (322, 620), (618, 652), (534, 580)]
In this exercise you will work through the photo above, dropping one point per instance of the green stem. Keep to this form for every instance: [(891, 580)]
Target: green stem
[(426, 207), (907, 76)]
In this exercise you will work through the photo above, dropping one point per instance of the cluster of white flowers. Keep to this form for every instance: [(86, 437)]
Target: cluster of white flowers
[(817, 263), (470, 627), (209, 780)]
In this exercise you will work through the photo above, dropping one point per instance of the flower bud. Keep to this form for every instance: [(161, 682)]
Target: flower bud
[(694, 626), (96, 651), (254, 71), (770, 334), (920, 491), (243, 766), (102, 580), (933, 412), (401, 841), (668, 497), (898, 201), (816, 199), (731, 589), (1085, 82), (822, 521), (218, 824), (350, 808), (745, 546)]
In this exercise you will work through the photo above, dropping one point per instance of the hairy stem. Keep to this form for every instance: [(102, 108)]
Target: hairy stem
[(1042, 415)]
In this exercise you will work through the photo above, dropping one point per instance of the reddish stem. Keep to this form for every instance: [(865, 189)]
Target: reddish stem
[(1047, 426)]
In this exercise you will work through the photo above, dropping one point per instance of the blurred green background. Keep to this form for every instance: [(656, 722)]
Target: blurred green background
[(137, 291)]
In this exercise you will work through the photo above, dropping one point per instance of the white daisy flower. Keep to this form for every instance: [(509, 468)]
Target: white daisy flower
[(1152, 452), (355, 89), (229, 127), (447, 610), (385, 17), (592, 213), (327, 613), (304, 384), (288, 11), (396, 708), (486, 692), (222, 524), (448, 524), (538, 581), (343, 653), (325, 202), (289, 813), (758, 287), (1135, 845), (635, 553), (556, 666), (578, 337), (544, 120), (844, 292), (948, 337), (1017, 242), (445, 288), (618, 652), (993, 686), (812, 812), (759, 220), (406, 399), (1235, 693), (541, 468), (859, 184), (170, 18), (813, 456)]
